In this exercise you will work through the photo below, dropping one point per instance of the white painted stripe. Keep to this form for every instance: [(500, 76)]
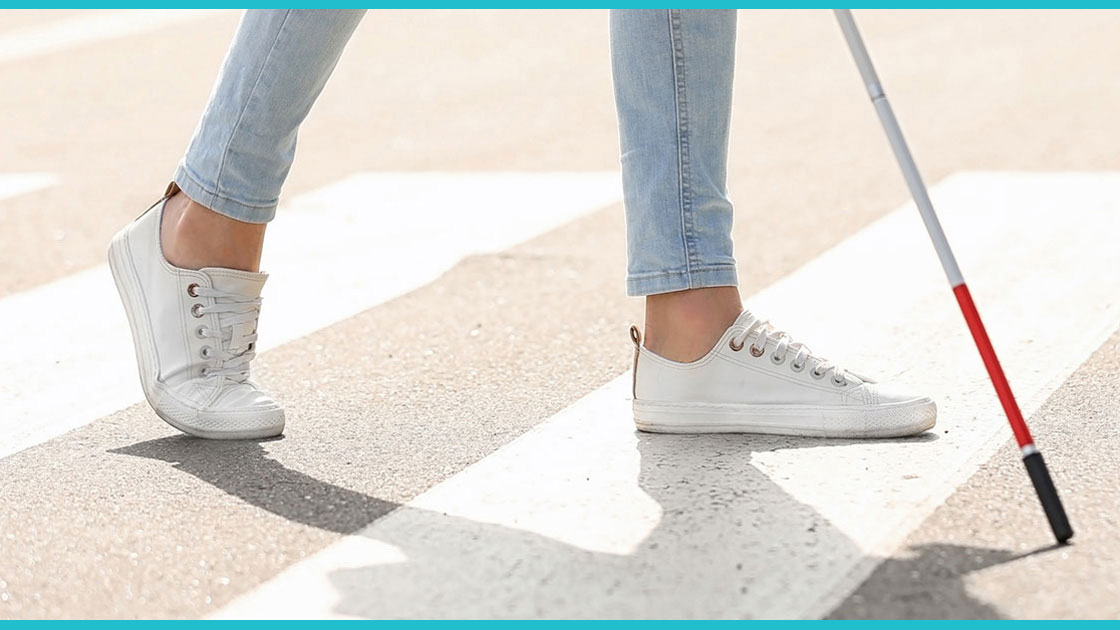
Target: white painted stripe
[(582, 517), (89, 28), (16, 184), (332, 253)]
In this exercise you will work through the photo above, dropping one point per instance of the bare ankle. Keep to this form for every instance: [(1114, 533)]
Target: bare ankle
[(684, 325), (194, 237)]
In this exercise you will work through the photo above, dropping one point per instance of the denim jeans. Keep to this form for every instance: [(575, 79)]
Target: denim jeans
[(673, 73), (243, 147)]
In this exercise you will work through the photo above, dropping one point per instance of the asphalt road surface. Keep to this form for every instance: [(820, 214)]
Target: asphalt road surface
[(447, 327)]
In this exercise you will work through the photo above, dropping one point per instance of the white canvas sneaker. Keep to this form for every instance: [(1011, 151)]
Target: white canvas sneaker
[(758, 380), (195, 333)]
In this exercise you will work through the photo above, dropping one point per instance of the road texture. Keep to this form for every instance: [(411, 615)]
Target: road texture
[(124, 517)]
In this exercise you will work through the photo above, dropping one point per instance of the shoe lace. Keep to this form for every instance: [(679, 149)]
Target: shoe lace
[(763, 332), (236, 334)]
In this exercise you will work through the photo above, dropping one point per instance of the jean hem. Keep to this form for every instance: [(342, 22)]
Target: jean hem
[(669, 281), (205, 195)]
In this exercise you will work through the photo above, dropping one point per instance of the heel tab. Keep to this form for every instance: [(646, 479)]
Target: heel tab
[(636, 337), (172, 188)]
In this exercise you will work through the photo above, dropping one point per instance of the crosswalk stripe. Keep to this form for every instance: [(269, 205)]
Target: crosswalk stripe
[(332, 253), (16, 184), (88, 28), (582, 517)]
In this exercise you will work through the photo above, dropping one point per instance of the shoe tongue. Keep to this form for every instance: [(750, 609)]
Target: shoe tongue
[(743, 319), (245, 283)]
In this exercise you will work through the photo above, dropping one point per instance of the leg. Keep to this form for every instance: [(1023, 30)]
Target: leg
[(187, 268), (195, 236), (707, 365), (229, 181), (673, 74)]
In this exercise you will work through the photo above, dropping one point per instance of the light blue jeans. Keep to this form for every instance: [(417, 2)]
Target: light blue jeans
[(673, 73)]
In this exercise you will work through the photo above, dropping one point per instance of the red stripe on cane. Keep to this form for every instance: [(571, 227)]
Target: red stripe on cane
[(995, 372)]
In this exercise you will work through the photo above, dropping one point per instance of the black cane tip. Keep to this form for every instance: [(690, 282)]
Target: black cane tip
[(1048, 496)]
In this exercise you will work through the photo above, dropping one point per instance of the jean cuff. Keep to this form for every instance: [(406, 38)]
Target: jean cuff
[(247, 212), (669, 281)]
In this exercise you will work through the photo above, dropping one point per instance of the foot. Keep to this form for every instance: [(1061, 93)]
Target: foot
[(758, 380), (195, 332)]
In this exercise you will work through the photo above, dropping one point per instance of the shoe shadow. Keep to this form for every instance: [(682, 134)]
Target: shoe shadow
[(241, 468), (727, 542)]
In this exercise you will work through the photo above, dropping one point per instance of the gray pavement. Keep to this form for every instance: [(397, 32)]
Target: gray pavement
[(986, 553), (125, 518)]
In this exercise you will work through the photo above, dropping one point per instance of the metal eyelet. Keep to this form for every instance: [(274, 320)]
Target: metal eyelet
[(839, 382), (200, 332), (191, 289), (733, 345), (196, 310), (757, 352), (775, 360), (206, 352), (795, 367), (815, 374)]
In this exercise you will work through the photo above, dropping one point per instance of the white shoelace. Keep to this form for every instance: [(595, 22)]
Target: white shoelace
[(763, 332), (237, 334)]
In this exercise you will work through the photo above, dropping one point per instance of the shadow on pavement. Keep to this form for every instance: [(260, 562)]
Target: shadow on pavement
[(729, 542), (930, 584), (241, 468)]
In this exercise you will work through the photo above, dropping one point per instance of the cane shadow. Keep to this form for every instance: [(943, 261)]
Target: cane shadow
[(241, 468), (929, 583)]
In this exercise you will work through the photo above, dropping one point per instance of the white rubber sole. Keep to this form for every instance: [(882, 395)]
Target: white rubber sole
[(128, 286), (880, 421)]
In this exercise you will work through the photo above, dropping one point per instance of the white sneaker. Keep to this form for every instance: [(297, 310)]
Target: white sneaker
[(757, 380), (195, 333)]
